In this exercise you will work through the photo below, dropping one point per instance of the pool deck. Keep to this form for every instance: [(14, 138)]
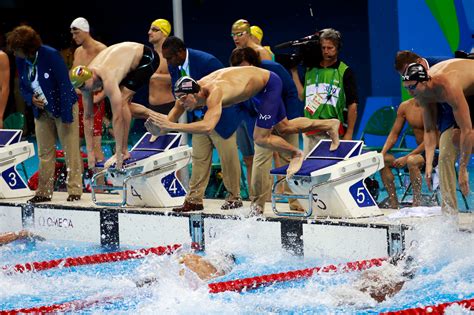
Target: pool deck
[(342, 239)]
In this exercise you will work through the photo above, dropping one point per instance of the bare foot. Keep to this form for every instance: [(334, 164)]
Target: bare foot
[(152, 127), (295, 164), (333, 133)]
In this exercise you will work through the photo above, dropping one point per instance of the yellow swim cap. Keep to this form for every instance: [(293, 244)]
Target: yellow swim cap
[(257, 32), (163, 25), (241, 26), (79, 75)]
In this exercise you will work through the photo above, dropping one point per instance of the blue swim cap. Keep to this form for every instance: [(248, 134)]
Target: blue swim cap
[(415, 72)]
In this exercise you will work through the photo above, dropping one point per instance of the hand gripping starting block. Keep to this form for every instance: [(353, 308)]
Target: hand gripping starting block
[(13, 151), (148, 177), (332, 182)]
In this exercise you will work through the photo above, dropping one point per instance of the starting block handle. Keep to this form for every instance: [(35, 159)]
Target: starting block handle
[(308, 212), (275, 196), (104, 187)]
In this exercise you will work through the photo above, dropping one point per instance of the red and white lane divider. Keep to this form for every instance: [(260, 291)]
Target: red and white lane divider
[(433, 309), (237, 285), (265, 280), (217, 287), (91, 259)]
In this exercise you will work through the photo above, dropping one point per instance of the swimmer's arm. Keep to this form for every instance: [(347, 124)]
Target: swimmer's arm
[(351, 120), (13, 236), (430, 138), (296, 78), (396, 129), (455, 97), (210, 119), (139, 111), (88, 120), (176, 111), (112, 90)]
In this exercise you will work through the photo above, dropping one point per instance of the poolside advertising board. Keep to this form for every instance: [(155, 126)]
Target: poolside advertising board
[(10, 219), (69, 224)]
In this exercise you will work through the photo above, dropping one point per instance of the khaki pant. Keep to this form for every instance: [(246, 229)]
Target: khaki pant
[(261, 181), (202, 161), (448, 154), (48, 129)]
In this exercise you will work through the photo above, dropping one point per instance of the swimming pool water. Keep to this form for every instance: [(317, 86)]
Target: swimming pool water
[(446, 273)]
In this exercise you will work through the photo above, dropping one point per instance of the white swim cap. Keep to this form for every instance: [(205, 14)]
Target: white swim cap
[(80, 23)]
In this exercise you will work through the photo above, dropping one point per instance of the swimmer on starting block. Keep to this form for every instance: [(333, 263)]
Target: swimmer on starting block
[(228, 86), (9, 237), (211, 266)]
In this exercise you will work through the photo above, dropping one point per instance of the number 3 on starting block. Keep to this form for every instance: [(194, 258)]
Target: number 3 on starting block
[(13, 179)]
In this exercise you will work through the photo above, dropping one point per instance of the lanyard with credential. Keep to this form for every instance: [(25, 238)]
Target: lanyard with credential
[(328, 97), (32, 68)]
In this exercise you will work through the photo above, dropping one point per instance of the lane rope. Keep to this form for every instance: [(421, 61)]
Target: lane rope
[(270, 279), (433, 309), (90, 259), (217, 287)]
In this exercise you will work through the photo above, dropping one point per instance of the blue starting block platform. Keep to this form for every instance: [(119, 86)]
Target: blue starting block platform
[(148, 177), (13, 151), (331, 183)]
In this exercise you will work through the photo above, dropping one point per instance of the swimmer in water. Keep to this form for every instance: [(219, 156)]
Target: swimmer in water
[(9, 237), (205, 268), (387, 280)]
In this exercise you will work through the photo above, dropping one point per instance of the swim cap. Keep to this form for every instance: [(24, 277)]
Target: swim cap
[(257, 32), (186, 85), (79, 75), (415, 72), (223, 262), (241, 26), (81, 24), (163, 25)]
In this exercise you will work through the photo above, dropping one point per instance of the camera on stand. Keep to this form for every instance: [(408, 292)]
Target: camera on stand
[(307, 52)]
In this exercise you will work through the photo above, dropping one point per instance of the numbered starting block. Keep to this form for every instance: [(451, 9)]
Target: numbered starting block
[(148, 177), (13, 151), (331, 183)]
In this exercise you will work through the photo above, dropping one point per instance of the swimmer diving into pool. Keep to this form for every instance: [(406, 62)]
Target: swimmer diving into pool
[(228, 86)]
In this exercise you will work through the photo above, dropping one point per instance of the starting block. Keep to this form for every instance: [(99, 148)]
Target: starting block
[(148, 177), (13, 151), (332, 182)]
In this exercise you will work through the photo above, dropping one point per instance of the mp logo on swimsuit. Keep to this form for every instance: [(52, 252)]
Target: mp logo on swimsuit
[(265, 117)]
